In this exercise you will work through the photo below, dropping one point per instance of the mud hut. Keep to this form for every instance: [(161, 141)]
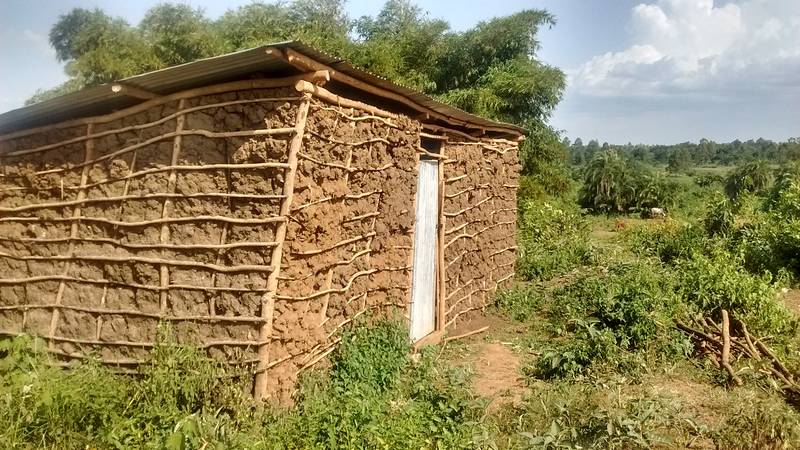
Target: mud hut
[(258, 201)]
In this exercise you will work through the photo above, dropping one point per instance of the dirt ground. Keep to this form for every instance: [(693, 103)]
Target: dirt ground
[(493, 357)]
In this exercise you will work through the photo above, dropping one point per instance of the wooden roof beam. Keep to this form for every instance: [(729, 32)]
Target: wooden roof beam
[(305, 63)]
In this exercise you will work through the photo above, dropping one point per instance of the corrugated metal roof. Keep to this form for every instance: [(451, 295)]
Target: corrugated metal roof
[(101, 99)]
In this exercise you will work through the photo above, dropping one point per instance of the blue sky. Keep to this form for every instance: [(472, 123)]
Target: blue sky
[(650, 71)]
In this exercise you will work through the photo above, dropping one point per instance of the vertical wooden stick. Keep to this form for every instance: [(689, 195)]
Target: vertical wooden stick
[(726, 348), (441, 268), (268, 300), (73, 233), (212, 302), (326, 299), (172, 181)]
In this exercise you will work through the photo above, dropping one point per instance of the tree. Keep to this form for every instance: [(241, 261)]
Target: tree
[(178, 33), (753, 177), (679, 160), (606, 184)]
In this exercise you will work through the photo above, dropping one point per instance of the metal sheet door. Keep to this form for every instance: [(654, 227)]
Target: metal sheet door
[(423, 285)]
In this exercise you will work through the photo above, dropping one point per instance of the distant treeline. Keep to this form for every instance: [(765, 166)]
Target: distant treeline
[(681, 156)]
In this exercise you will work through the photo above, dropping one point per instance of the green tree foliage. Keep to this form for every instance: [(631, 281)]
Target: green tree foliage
[(607, 183), (751, 178), (679, 157), (613, 183), (679, 160)]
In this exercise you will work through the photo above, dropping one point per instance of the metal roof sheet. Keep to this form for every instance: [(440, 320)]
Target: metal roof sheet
[(101, 99)]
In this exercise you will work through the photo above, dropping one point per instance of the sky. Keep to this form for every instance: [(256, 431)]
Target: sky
[(644, 71)]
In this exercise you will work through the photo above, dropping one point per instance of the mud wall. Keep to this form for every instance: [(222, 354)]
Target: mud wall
[(158, 214), (479, 203), (348, 244)]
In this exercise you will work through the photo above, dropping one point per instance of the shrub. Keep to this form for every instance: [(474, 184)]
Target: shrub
[(720, 217), (751, 178), (374, 396), (553, 238), (719, 281), (708, 179), (669, 241), (180, 399), (613, 317), (519, 303), (580, 415)]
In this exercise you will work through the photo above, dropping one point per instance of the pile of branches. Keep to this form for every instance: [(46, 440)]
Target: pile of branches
[(721, 342)]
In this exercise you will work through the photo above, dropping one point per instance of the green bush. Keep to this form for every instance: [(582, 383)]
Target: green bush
[(720, 217), (669, 241), (553, 239), (750, 178), (374, 396), (581, 415), (719, 281), (182, 398), (613, 319), (520, 303)]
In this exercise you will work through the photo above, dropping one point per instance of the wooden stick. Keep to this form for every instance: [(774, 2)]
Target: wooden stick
[(137, 313), (142, 223), (304, 63), (144, 126), (469, 189), (726, 348), (153, 196), (103, 282), (145, 260), (171, 135), (477, 233), (338, 111), (352, 144), (441, 268), (268, 300), (167, 206), (752, 350), (345, 197), (778, 364), (127, 245), (327, 96), (243, 85), (102, 343), (469, 208), (470, 333), (76, 212), (336, 245), (334, 290)]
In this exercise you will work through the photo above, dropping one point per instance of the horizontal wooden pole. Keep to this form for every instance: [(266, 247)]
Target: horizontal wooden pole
[(144, 260), (242, 85)]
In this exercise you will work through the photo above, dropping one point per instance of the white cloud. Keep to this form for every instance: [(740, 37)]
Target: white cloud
[(699, 49)]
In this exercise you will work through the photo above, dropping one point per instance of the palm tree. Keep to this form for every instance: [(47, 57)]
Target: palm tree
[(606, 185)]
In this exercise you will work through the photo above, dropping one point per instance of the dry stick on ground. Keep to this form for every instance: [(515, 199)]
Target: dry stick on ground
[(726, 348), (470, 333)]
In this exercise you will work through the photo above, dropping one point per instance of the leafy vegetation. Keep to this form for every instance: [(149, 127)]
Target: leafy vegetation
[(374, 396), (553, 238), (612, 183)]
